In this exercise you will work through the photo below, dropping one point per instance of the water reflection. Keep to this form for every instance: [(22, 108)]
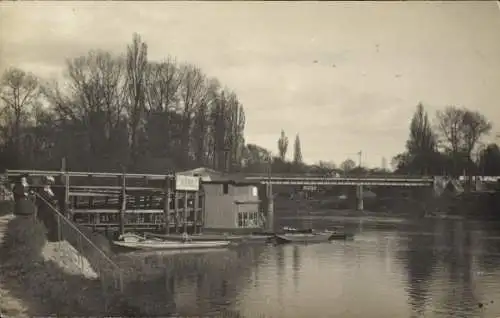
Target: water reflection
[(436, 268)]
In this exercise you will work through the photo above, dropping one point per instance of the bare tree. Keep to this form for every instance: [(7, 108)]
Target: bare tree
[(449, 126), (91, 104), (127, 109), (475, 125), (460, 130), (19, 93), (162, 83)]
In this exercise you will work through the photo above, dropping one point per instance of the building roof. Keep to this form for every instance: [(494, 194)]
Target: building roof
[(214, 176), (206, 174)]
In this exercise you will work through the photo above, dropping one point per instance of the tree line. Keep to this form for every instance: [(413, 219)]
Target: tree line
[(449, 145), (112, 112)]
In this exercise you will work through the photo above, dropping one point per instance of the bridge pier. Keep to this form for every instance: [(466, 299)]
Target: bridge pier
[(359, 198)]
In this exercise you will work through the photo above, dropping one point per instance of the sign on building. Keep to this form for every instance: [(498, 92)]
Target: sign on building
[(309, 188), (186, 183)]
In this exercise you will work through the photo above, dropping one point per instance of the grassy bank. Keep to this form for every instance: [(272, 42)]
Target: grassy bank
[(47, 289)]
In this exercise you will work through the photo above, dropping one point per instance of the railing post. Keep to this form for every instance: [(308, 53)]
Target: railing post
[(66, 202), (166, 205), (176, 210), (123, 203), (185, 211), (196, 210)]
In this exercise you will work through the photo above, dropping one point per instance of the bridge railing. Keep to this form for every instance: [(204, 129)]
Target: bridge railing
[(41, 173), (347, 176)]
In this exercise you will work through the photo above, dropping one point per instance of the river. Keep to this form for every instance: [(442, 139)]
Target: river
[(419, 268)]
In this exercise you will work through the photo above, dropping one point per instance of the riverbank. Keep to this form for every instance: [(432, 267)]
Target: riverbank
[(41, 278), (44, 276)]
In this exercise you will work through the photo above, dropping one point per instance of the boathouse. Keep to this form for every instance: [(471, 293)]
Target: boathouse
[(231, 205)]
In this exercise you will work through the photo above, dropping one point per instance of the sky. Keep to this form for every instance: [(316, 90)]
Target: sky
[(345, 76)]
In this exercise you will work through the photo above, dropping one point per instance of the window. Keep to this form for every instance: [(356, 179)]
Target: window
[(255, 191), (225, 188), (248, 219)]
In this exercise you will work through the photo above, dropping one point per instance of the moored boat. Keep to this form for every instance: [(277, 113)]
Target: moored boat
[(340, 236), (197, 237), (302, 237), (131, 241)]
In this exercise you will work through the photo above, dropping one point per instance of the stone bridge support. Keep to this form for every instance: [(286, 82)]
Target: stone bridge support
[(269, 208)]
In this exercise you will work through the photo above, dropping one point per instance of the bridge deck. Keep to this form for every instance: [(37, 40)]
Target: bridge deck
[(399, 182), (283, 179)]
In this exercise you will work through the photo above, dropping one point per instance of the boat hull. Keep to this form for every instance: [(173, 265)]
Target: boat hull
[(341, 236), (197, 237), (310, 237), (302, 238), (148, 245)]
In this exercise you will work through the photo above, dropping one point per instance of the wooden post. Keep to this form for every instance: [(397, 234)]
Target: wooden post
[(176, 211), (196, 214), (123, 205), (64, 178), (166, 205), (64, 205), (185, 212)]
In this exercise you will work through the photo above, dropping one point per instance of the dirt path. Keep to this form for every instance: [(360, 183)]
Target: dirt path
[(9, 305)]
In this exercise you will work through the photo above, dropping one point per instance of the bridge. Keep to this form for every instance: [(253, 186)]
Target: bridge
[(393, 181), (273, 179)]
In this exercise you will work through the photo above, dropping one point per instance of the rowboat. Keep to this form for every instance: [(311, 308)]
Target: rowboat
[(335, 236), (131, 241), (302, 237), (196, 237), (310, 236)]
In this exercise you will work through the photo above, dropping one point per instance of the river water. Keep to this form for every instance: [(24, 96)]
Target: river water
[(419, 268)]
